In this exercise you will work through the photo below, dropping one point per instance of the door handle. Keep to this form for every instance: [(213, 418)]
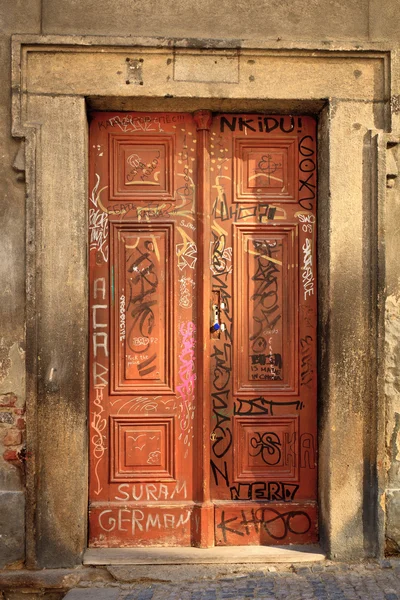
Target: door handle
[(216, 326), (216, 308)]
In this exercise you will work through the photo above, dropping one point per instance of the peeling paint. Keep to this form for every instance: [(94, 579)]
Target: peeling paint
[(13, 377), (396, 438), (5, 362), (395, 103), (7, 418)]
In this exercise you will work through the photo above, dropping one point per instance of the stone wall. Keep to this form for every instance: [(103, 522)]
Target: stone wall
[(222, 24)]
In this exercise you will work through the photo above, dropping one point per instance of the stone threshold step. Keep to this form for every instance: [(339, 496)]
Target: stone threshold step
[(189, 555), (92, 594)]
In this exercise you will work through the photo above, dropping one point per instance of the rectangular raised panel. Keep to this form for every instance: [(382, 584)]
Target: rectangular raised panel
[(266, 299), (266, 448), (142, 353), (136, 525), (265, 170), (213, 68), (141, 167), (142, 449)]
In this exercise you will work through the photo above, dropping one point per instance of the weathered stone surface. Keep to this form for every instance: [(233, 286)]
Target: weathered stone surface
[(251, 74), (12, 518), (345, 211), (29, 594), (54, 579), (119, 557), (392, 349), (93, 594), (299, 19), (384, 20), (392, 380), (62, 340), (232, 82), (22, 16), (346, 316), (393, 515)]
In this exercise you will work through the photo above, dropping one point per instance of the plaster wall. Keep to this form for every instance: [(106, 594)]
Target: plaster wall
[(358, 105), (25, 17)]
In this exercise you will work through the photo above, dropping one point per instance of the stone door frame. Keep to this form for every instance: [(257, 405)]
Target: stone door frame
[(56, 80)]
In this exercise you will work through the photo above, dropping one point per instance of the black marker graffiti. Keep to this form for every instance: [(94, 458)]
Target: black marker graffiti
[(306, 366), (143, 283), (223, 474), (273, 491), (221, 357), (258, 406), (307, 451), (267, 445), (267, 359), (239, 212), (267, 166), (307, 177), (266, 366), (261, 124), (266, 309), (139, 167), (277, 525)]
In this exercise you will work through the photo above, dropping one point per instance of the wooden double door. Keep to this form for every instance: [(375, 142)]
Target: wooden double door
[(202, 417)]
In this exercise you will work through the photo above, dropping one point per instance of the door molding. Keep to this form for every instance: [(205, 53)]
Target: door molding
[(55, 79)]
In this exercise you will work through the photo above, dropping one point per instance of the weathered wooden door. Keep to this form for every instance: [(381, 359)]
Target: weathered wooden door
[(202, 411), (263, 365)]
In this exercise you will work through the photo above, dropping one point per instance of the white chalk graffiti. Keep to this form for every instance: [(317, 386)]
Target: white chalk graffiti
[(187, 255), (139, 404), (150, 491), (122, 318), (130, 123), (153, 457), (98, 222), (307, 272), (100, 341), (307, 222), (98, 424), (188, 225), (136, 520), (100, 378), (186, 285)]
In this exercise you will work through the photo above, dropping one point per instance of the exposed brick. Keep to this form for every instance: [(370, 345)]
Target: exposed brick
[(20, 423), (10, 455), (8, 399), (13, 437), (19, 411), (7, 418)]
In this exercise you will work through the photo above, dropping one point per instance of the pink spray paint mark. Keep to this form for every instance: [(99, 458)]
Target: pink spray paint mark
[(187, 376)]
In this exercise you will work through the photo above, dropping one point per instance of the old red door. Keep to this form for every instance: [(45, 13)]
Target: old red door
[(263, 363), (202, 303)]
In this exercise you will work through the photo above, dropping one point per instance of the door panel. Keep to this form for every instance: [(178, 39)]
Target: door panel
[(143, 261), (262, 253), (263, 358), (202, 301)]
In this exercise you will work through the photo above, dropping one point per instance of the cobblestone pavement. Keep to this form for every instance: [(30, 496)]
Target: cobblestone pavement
[(368, 581)]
